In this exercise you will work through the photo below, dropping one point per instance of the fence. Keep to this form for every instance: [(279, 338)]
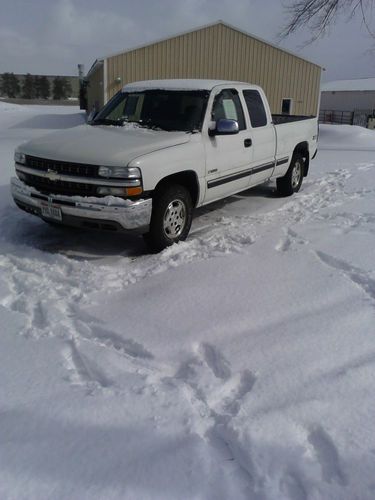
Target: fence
[(340, 117), (357, 117)]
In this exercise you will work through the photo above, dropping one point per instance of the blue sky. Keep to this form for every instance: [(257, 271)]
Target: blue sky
[(52, 37)]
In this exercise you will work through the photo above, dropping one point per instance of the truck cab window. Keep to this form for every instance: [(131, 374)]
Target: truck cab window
[(255, 106), (169, 110), (227, 105)]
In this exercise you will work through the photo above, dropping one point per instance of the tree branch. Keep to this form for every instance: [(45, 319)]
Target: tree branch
[(318, 15)]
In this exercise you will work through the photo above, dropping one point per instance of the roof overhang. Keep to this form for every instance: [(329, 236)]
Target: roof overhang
[(216, 23), (353, 85), (97, 64)]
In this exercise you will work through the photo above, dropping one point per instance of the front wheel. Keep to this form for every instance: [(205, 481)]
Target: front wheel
[(171, 218), (292, 180)]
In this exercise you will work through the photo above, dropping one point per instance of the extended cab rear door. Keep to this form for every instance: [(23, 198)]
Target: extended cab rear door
[(263, 136)]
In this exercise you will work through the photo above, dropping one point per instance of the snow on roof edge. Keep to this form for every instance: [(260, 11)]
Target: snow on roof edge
[(356, 84), (181, 84)]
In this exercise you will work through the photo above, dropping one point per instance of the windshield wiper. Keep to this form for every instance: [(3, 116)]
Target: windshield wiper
[(107, 121)]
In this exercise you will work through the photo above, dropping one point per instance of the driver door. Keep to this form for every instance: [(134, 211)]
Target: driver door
[(228, 157)]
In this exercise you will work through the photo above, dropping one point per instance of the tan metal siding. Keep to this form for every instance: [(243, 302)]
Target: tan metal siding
[(95, 89), (220, 52)]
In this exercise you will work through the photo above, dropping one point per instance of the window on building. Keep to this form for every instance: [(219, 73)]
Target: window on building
[(286, 107), (255, 106), (227, 105)]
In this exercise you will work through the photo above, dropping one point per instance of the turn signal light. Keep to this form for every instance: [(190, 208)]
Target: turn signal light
[(120, 191), (134, 191)]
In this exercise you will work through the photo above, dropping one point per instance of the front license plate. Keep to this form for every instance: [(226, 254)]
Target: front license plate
[(51, 212)]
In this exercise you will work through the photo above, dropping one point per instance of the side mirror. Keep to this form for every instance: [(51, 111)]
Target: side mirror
[(224, 127)]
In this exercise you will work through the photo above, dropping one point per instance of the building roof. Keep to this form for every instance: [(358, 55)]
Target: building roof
[(356, 85), (216, 23), (179, 84)]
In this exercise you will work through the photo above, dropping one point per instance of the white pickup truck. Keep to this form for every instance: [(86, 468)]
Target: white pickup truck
[(157, 150)]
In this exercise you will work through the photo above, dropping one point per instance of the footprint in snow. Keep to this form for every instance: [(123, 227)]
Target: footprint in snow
[(209, 376), (290, 239), (82, 371), (113, 340), (327, 456)]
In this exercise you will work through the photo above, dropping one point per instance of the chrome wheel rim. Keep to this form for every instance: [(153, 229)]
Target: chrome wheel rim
[(174, 219), (296, 174)]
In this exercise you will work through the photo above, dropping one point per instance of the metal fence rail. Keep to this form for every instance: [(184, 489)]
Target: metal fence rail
[(357, 117), (340, 117)]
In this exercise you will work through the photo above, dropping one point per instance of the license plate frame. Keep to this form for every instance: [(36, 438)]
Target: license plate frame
[(52, 212)]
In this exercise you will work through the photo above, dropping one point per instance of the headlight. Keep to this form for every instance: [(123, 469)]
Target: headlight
[(19, 158), (120, 172)]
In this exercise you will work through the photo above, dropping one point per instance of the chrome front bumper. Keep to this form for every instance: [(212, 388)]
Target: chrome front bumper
[(128, 215)]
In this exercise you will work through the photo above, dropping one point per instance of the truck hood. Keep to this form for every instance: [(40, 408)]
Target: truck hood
[(102, 145)]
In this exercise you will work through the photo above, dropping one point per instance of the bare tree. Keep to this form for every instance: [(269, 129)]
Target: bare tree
[(61, 88), (318, 15)]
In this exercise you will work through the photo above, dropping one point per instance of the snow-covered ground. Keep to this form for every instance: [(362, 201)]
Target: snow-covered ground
[(239, 364)]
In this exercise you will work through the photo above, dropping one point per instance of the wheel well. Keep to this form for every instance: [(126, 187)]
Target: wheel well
[(303, 149), (188, 179)]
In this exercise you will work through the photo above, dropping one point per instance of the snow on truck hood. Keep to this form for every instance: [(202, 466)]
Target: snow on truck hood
[(102, 145)]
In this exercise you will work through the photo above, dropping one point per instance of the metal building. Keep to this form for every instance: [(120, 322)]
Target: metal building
[(215, 51), (349, 102)]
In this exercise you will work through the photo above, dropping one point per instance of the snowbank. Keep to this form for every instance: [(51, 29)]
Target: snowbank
[(9, 107), (346, 137)]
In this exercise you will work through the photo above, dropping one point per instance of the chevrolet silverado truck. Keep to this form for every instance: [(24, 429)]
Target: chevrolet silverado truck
[(157, 150)]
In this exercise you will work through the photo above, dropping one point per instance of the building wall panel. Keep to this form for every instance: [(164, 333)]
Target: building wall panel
[(347, 101), (95, 89), (221, 52)]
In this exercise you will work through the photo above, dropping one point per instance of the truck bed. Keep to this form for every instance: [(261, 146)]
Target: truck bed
[(280, 119)]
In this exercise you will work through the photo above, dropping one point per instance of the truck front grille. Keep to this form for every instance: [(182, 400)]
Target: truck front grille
[(62, 167), (46, 186)]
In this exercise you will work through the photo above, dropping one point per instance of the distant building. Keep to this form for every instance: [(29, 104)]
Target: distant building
[(348, 101), (216, 51)]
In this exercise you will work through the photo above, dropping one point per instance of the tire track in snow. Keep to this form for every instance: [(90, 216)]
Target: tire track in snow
[(79, 279), (346, 222), (50, 289), (328, 192), (44, 283), (308, 206), (357, 276)]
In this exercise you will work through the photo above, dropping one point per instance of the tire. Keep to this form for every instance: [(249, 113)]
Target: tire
[(171, 217), (292, 180)]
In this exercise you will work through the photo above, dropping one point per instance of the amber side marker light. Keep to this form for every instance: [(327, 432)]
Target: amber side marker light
[(134, 191)]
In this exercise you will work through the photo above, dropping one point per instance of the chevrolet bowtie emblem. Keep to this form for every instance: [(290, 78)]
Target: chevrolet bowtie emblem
[(52, 175)]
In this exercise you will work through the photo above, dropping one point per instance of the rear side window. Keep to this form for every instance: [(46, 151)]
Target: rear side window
[(227, 105), (286, 106), (255, 107)]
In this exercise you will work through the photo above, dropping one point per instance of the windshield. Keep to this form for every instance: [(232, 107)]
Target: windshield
[(181, 110)]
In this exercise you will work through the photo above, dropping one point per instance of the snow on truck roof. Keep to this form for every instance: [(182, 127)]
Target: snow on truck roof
[(179, 84)]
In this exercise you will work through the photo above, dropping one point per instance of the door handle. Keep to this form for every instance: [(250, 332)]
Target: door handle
[(247, 143)]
